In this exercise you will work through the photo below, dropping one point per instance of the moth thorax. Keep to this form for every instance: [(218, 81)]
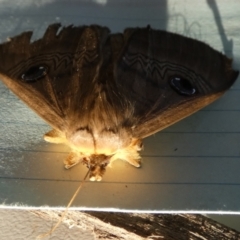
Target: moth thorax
[(98, 141)]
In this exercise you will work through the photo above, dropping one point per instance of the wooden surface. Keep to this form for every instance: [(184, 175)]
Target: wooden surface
[(22, 224), (168, 226), (192, 166), (135, 226)]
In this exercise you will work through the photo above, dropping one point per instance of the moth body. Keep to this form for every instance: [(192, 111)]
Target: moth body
[(103, 93), (96, 154)]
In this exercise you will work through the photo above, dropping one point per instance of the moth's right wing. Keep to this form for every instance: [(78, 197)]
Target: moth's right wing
[(54, 74)]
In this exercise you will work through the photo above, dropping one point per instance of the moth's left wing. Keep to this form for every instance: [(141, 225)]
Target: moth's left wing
[(51, 75), (167, 77)]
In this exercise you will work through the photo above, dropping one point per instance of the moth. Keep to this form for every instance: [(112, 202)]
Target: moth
[(103, 93)]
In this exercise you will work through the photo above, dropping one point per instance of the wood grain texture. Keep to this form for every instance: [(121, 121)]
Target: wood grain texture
[(145, 226)]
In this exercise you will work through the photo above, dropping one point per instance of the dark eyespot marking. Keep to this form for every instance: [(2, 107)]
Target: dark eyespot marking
[(34, 73), (182, 86)]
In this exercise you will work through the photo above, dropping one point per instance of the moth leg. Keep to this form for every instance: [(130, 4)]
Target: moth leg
[(54, 136), (134, 162), (129, 155), (72, 160), (135, 146)]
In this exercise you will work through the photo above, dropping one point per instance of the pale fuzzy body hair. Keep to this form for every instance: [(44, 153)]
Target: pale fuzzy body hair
[(130, 153)]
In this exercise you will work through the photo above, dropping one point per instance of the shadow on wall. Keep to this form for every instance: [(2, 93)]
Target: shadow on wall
[(117, 15), (16, 17), (227, 44)]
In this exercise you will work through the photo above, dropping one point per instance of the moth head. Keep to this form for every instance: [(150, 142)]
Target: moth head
[(97, 164)]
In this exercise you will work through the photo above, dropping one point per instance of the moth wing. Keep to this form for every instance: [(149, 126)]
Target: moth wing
[(167, 77), (52, 74)]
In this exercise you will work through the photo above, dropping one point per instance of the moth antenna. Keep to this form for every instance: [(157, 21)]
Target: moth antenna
[(66, 210)]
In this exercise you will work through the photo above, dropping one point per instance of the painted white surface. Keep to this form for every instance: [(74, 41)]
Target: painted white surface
[(192, 166)]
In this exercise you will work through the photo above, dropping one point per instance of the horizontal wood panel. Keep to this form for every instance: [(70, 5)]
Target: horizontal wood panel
[(130, 197), (156, 170), (190, 166)]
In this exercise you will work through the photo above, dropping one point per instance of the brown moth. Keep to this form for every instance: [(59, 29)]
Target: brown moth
[(103, 93)]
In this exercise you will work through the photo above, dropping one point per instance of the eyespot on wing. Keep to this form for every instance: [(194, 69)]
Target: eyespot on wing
[(34, 73)]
